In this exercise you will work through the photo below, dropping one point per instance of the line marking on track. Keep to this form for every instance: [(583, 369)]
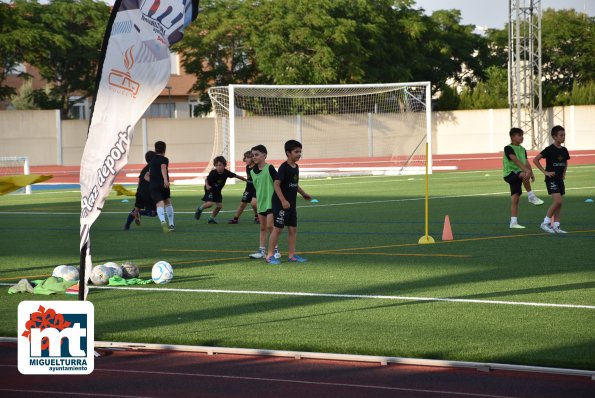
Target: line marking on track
[(311, 252), (263, 379), (349, 296)]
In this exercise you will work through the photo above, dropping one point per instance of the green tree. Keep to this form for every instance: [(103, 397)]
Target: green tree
[(65, 46), (492, 92)]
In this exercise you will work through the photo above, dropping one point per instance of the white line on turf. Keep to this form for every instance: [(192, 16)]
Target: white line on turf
[(351, 296)]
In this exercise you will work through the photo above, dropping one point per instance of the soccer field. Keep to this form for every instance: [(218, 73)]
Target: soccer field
[(490, 295)]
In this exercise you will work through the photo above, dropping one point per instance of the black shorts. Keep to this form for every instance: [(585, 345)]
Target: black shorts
[(248, 195), (516, 183), (211, 196), (265, 213), (143, 199), (555, 186), (159, 193), (284, 217)]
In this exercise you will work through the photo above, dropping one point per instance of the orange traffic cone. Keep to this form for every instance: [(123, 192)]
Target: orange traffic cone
[(447, 231)]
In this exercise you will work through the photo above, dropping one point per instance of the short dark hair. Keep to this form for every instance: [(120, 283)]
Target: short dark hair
[(149, 155), (515, 131), (291, 145), (556, 130), (220, 159), (160, 147), (260, 148)]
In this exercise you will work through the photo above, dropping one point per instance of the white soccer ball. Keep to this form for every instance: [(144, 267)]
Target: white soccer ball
[(114, 269), (130, 270), (100, 275), (57, 272), (162, 272), (66, 272)]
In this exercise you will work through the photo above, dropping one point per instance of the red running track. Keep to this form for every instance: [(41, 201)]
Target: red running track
[(183, 374), (479, 161)]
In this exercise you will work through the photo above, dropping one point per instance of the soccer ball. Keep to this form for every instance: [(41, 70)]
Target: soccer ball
[(66, 272), (114, 269), (100, 275), (57, 272), (162, 272), (130, 270)]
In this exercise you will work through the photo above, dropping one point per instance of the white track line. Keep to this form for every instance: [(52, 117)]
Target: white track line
[(349, 296), (259, 379)]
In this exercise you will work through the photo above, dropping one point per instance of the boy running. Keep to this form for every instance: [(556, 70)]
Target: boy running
[(517, 172), (159, 186), (284, 203), (213, 186), (249, 195), (263, 175), (556, 162)]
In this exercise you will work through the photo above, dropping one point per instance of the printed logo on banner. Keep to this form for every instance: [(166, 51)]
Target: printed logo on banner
[(56, 337), (122, 82)]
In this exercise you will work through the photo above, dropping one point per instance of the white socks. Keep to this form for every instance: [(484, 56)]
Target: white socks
[(161, 214), (169, 209)]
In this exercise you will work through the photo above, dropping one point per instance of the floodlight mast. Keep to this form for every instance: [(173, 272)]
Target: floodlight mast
[(525, 70)]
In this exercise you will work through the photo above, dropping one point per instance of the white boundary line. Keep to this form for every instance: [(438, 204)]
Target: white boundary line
[(480, 366), (349, 296)]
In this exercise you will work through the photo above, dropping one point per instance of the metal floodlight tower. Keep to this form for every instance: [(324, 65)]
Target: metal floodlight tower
[(524, 69)]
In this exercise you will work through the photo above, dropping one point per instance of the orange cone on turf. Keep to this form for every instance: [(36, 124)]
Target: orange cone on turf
[(447, 231)]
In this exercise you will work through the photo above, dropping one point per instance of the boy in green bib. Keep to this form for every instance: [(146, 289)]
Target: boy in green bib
[(517, 172)]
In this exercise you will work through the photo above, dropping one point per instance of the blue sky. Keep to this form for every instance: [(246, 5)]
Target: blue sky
[(494, 13)]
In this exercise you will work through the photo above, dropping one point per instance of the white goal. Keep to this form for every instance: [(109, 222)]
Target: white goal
[(15, 165), (378, 129)]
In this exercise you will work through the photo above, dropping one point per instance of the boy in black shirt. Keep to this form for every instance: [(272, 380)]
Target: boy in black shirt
[(143, 204), (213, 185), (159, 186), (249, 195), (284, 203), (556, 162)]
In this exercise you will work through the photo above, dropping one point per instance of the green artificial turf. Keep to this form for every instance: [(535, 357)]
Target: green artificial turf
[(361, 242)]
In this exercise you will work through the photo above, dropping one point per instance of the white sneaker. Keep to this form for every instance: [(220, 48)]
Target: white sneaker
[(516, 226), (547, 228), (277, 255), (534, 200), (559, 231), (258, 254)]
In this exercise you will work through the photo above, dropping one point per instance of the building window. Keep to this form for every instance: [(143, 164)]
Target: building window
[(79, 110), (160, 110), (192, 105), (175, 63), (17, 70)]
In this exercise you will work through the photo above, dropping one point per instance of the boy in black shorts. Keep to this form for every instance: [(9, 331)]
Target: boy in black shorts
[(284, 203), (159, 186), (213, 186), (517, 172), (556, 162), (249, 195), (143, 204)]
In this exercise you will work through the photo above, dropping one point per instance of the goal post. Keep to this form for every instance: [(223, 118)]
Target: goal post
[(348, 129), (15, 165)]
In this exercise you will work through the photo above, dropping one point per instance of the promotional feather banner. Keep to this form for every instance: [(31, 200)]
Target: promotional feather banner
[(133, 70)]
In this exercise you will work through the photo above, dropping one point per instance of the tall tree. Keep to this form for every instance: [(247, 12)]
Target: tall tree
[(66, 44)]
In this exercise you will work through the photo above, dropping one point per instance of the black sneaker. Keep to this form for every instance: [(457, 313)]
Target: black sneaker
[(234, 221), (211, 221), (197, 213)]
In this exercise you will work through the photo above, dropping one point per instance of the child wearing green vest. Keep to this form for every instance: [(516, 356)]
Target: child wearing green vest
[(517, 172), (263, 177)]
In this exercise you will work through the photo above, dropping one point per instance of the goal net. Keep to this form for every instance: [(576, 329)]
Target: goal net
[(378, 129), (13, 166)]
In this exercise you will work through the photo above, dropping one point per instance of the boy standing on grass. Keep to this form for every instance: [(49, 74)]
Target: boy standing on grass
[(517, 172), (249, 195), (213, 186), (143, 204), (159, 185), (284, 203), (556, 162), (263, 175)]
